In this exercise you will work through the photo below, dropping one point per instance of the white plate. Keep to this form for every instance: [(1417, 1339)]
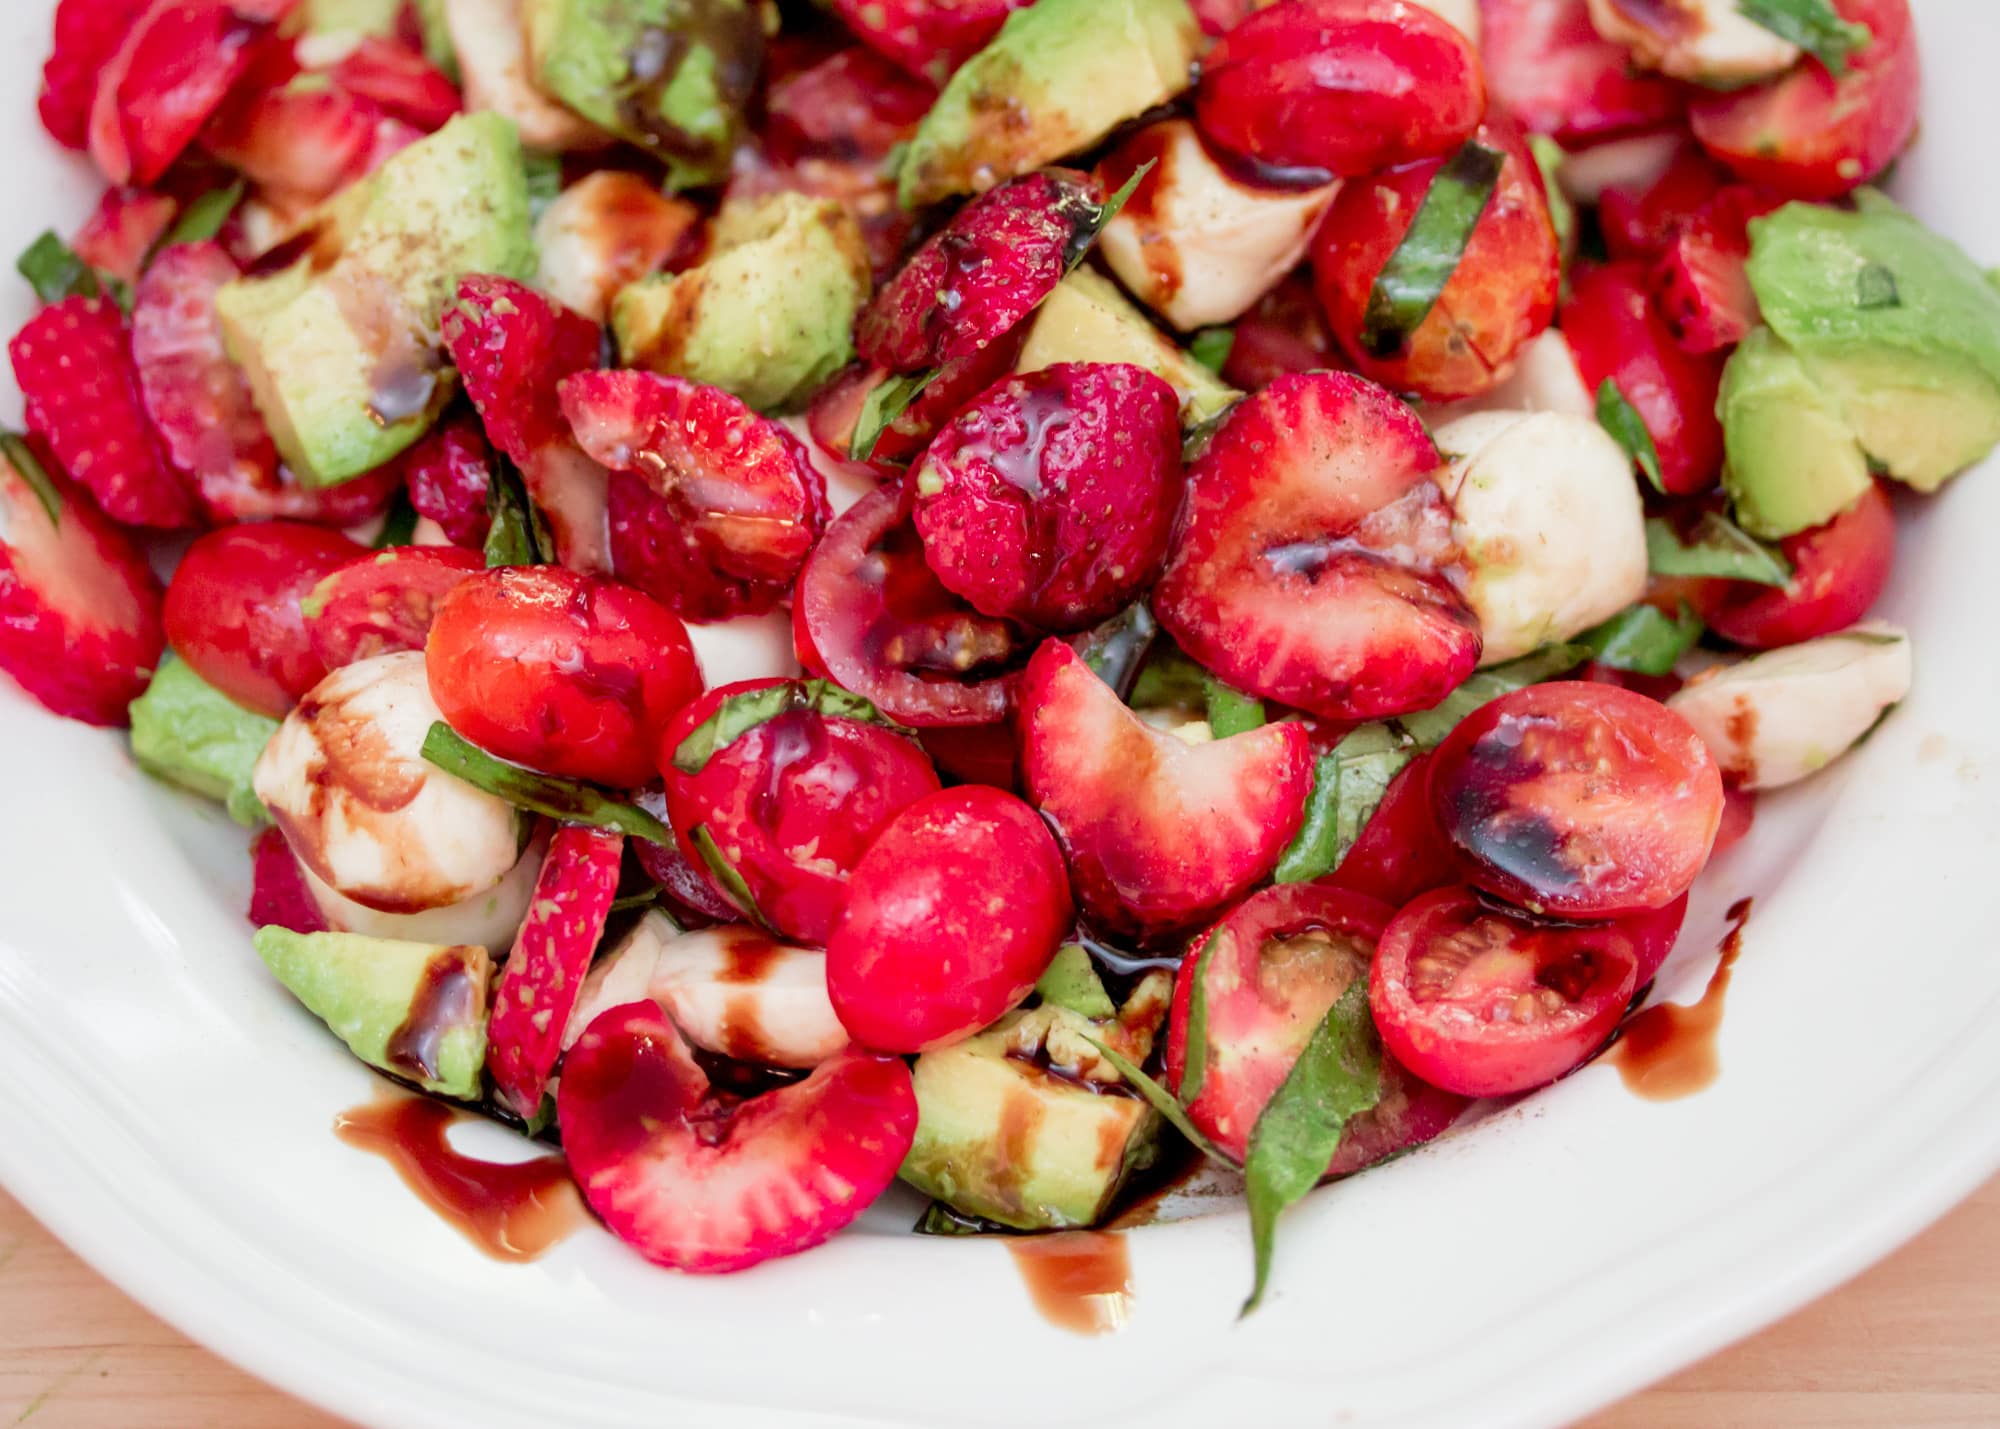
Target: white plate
[(167, 1108)]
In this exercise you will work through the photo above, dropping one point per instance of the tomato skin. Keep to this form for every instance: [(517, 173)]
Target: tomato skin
[(1502, 293), (232, 609), (1400, 854), (1617, 334), (1839, 570), (1654, 934), (1577, 800), (559, 671), (384, 601), (951, 917), (976, 754), (1812, 136), (1739, 814), (792, 804), (1484, 1002)]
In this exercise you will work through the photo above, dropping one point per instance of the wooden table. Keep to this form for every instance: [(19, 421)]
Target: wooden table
[(1912, 1344)]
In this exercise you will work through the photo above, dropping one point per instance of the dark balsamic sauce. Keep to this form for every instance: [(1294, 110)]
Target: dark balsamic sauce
[(1081, 1281), (1668, 1051)]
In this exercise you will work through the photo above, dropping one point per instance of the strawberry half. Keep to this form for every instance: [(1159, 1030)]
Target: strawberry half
[(449, 474), (544, 976), (279, 897), (384, 601), (1159, 834), (1315, 559), (699, 1181), (1548, 67), (87, 34), (401, 81), (1701, 283), (850, 105), (736, 502), (123, 229), (281, 129), (79, 607), (930, 38), (73, 363), (1641, 222)]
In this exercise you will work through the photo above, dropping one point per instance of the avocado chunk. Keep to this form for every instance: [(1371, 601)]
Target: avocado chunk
[(672, 76), (1793, 460), (1895, 322), (1086, 319), (415, 1010), (349, 17), (341, 349), (186, 731), (769, 316), (1059, 76)]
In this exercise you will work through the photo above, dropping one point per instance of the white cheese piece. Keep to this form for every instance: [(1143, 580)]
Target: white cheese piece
[(1705, 41), (1545, 379), (604, 231), (488, 920), (493, 62), (738, 992), (1635, 162), (625, 974)]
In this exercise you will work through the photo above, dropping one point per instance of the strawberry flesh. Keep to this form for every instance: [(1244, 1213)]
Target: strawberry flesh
[(1548, 67), (851, 105), (450, 475), (279, 897), (401, 81), (126, 225), (512, 347), (1701, 283), (87, 34), (930, 38), (306, 139)]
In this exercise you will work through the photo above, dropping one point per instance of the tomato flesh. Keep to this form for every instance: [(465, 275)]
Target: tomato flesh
[(1839, 570)]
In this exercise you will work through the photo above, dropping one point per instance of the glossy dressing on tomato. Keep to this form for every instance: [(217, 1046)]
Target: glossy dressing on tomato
[(1668, 1051), (1081, 1281)]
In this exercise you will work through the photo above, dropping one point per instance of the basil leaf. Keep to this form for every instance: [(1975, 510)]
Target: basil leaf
[(1713, 546), (727, 879), (1096, 216), (516, 537), (399, 525), (568, 799), (1072, 982), (885, 402), (1169, 680), (1117, 649), (1550, 158), (1337, 1077), (1211, 347), (1620, 418), (1813, 25), (1875, 287), (644, 898), (545, 180), (1427, 728), (1230, 711), (29, 468), (1409, 284), (739, 714), (1163, 1101), (202, 219), (1348, 785), (1194, 1070), (941, 1219), (1640, 639), (55, 271)]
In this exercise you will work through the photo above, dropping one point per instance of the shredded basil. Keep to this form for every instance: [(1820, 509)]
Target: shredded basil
[(885, 402), (1165, 1103), (202, 219), (727, 879), (1875, 287), (1097, 216), (1813, 25), (1117, 649), (516, 536), (1713, 546), (1641, 639), (1194, 1069), (56, 271), (737, 715), (1230, 711), (1620, 418), (399, 525), (1427, 728), (1348, 785), (1211, 347), (568, 799), (1415, 276)]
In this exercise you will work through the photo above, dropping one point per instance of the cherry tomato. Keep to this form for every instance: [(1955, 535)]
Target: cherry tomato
[(976, 754), (1502, 293), (1838, 572), (1654, 934), (1548, 67), (384, 601), (1400, 853), (1484, 1002), (691, 898), (1812, 136), (951, 917), (1641, 222), (232, 609), (561, 672), (1285, 333), (792, 801), (1577, 800), (1617, 334), (1739, 813)]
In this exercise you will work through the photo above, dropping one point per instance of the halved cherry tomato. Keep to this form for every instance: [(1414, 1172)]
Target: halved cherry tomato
[(1838, 572), (1577, 800), (691, 898), (1485, 1002), (976, 754), (384, 601), (1400, 854), (1641, 222), (1286, 332), (1739, 812)]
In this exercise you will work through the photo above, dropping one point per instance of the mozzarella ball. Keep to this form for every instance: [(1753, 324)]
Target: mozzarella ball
[(606, 231), (625, 974), (488, 920), (1197, 247), (493, 63), (346, 782), (1635, 162), (1707, 41), (1775, 718), (738, 992), (1548, 516), (1545, 379)]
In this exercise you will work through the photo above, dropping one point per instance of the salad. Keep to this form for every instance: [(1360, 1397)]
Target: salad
[(974, 592)]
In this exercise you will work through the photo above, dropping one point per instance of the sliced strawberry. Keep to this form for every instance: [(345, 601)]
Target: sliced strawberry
[(79, 607), (279, 897), (1014, 497), (737, 502), (126, 225), (851, 105), (294, 131), (1159, 834), (450, 474), (400, 80), (1286, 332), (73, 363), (1315, 557), (1701, 284), (512, 347), (1640, 223), (87, 34), (552, 952), (698, 1181), (926, 37), (384, 601), (1548, 67)]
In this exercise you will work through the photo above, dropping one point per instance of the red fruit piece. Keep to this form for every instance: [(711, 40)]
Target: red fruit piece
[(1640, 223), (736, 502), (1400, 854), (1219, 17), (1050, 499), (544, 975), (279, 897), (1340, 87), (1549, 68), (999, 256), (400, 80), (123, 229), (956, 384), (952, 916), (930, 38), (695, 902), (233, 612), (1701, 283), (1839, 570), (870, 615), (559, 671), (449, 475), (1285, 333), (79, 606), (384, 601), (852, 105), (73, 363), (513, 347), (1159, 834), (695, 1179), (87, 34), (791, 781), (283, 129), (1314, 556)]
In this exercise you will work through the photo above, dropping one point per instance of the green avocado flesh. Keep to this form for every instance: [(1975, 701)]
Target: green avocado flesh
[(1086, 319), (1793, 461), (187, 731)]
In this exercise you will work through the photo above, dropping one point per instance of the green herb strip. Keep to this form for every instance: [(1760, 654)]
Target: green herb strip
[(739, 714), (29, 468), (1348, 785), (940, 1219), (1231, 711), (884, 403), (1211, 347), (1426, 729), (202, 219), (1640, 639), (1875, 288), (567, 799), (516, 537), (1096, 216), (727, 879), (55, 271), (1072, 982), (1620, 418), (1813, 25), (1415, 276), (400, 525), (1714, 546), (1163, 1101), (1337, 1077), (1194, 1070)]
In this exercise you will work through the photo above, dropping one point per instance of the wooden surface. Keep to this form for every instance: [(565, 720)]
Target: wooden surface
[(1912, 1344)]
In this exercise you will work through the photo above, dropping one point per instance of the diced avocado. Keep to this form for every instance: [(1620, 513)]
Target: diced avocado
[(673, 76), (1898, 325), (1072, 982), (1793, 460), (416, 1010), (1059, 76), (438, 46), (1087, 319), (348, 17), (341, 349), (769, 316), (187, 731)]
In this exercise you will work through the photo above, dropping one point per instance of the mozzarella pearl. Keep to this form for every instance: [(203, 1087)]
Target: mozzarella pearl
[(603, 232), (1702, 40), (493, 62), (488, 920), (1545, 379)]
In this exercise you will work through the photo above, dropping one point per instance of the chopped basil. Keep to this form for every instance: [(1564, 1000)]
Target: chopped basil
[(1195, 440), (1348, 785), (29, 468), (885, 402), (1169, 680), (727, 879), (644, 898), (739, 714), (1409, 284), (1713, 546), (1620, 418), (1875, 287), (545, 180), (1164, 1102), (1211, 347), (1194, 1071), (1072, 982), (1117, 649), (1640, 639), (517, 536), (1813, 25), (399, 524), (567, 799), (1549, 158), (1230, 711), (56, 271), (1096, 216), (202, 219), (1427, 728), (1337, 1077)]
